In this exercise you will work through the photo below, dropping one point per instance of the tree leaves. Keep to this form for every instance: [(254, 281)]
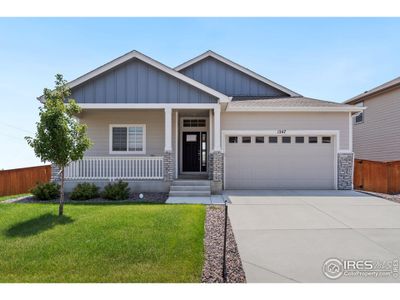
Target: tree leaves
[(59, 138)]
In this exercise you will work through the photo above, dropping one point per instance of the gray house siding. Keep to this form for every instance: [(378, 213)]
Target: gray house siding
[(138, 82), (378, 137), (228, 80)]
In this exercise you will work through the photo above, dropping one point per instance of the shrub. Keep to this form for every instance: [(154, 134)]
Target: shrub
[(46, 191), (84, 191), (116, 191)]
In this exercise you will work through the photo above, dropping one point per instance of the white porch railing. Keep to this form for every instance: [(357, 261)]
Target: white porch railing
[(113, 168)]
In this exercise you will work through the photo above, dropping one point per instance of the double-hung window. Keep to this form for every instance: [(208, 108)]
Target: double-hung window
[(128, 139)]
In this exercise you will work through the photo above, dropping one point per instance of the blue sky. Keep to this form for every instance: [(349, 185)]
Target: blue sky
[(326, 58)]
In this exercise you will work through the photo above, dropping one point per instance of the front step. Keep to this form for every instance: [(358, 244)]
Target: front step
[(190, 188), (182, 182), (190, 193)]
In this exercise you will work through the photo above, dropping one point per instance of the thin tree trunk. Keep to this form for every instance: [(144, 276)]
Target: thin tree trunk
[(61, 207)]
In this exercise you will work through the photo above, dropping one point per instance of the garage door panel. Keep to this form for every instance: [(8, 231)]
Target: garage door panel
[(279, 166)]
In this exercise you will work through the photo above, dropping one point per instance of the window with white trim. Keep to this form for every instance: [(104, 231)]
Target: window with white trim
[(359, 118), (128, 139)]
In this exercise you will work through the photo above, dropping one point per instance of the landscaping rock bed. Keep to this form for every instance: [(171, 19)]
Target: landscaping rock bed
[(214, 243), (394, 198), (133, 198)]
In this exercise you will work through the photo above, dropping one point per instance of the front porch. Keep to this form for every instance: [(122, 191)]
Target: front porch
[(178, 142)]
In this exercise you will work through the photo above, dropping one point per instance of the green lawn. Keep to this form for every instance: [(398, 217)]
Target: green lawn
[(2, 198), (101, 243)]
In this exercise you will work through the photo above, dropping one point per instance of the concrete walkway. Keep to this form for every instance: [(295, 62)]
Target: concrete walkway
[(213, 199), (286, 236)]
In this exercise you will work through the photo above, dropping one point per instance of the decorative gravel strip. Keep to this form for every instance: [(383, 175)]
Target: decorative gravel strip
[(133, 198), (214, 243), (394, 198)]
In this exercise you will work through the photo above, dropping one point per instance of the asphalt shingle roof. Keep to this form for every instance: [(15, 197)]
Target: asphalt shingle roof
[(254, 102)]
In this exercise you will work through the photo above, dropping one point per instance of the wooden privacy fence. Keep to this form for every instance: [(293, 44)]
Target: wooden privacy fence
[(375, 176), (20, 181)]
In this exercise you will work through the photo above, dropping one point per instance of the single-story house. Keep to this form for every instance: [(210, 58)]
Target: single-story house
[(207, 120), (377, 129)]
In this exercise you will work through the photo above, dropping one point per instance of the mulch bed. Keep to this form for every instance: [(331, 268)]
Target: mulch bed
[(214, 243), (133, 198), (394, 198)]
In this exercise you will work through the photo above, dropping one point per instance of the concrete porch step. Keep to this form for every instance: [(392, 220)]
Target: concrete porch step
[(190, 193), (189, 188), (183, 182)]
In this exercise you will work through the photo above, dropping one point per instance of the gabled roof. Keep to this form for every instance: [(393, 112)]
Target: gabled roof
[(381, 88), (136, 54), (224, 60), (289, 104)]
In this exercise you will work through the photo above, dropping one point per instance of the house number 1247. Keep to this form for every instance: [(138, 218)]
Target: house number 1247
[(281, 131)]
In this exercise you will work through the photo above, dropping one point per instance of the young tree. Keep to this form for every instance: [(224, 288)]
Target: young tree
[(60, 138)]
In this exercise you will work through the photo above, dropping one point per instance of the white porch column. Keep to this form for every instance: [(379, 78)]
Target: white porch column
[(217, 128), (211, 129), (168, 129)]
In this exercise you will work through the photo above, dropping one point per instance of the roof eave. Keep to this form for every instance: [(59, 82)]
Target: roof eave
[(362, 96), (352, 109)]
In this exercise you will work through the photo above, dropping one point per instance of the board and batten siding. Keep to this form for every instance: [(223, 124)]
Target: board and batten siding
[(289, 121), (378, 137), (98, 128), (138, 82), (229, 80)]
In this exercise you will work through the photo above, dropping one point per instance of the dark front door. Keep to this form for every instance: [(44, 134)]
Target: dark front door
[(191, 152)]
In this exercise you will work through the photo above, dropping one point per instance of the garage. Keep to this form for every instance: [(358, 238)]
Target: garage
[(279, 162)]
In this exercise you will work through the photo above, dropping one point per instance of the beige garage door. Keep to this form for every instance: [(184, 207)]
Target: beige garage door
[(279, 162)]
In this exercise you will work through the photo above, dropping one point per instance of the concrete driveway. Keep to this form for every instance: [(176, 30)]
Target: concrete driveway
[(287, 236)]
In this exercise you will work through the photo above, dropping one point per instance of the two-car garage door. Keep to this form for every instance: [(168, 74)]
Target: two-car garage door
[(279, 162)]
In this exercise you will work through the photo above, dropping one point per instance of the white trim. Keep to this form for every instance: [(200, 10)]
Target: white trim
[(237, 67), (195, 129), (136, 54), (148, 105), (335, 160), (345, 151), (176, 142), (334, 133), (275, 132), (168, 129), (111, 126), (350, 133), (217, 129), (211, 129), (295, 109)]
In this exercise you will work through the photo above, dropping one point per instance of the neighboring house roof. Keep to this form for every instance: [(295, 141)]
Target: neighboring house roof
[(216, 56), (379, 89), (288, 104), (136, 54)]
